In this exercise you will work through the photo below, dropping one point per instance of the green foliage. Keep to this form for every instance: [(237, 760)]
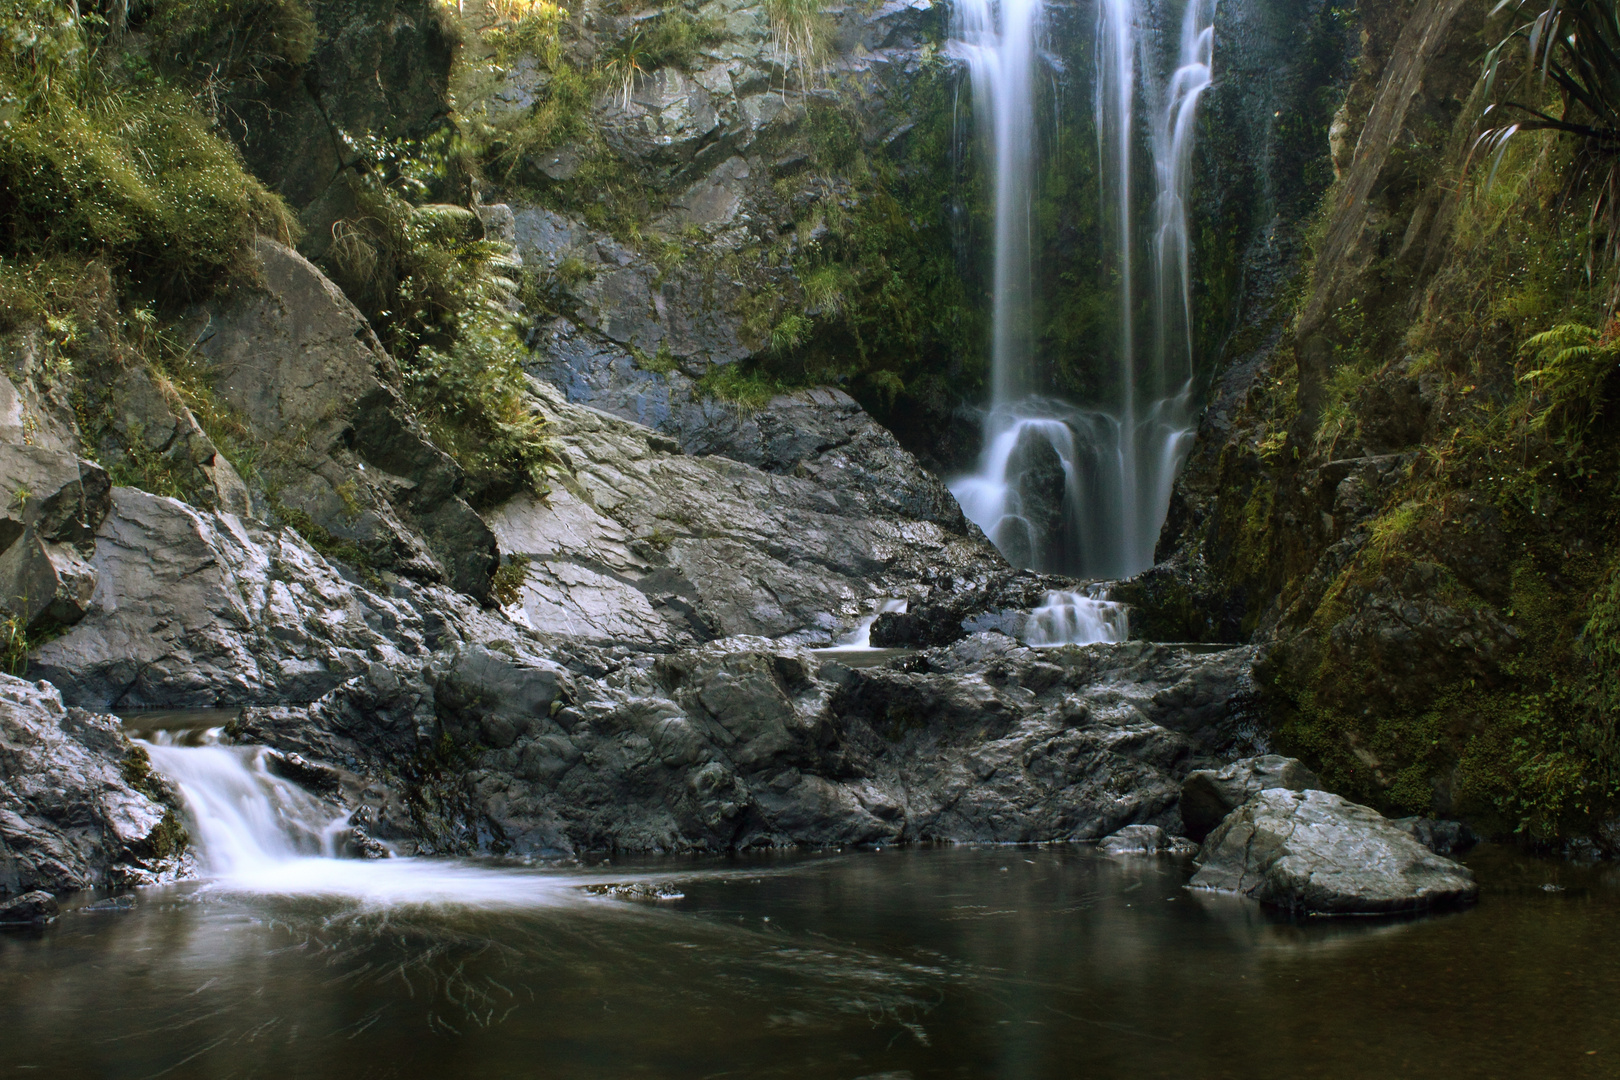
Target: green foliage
[(346, 552), (228, 41), (1566, 389), (885, 309), (131, 175), (507, 586), (674, 37), (746, 385), (14, 644), (441, 299), (800, 28), (1575, 46)]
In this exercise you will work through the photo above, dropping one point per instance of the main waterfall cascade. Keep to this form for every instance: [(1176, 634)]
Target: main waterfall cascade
[(1114, 462)]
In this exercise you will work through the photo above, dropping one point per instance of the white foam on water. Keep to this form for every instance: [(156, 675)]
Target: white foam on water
[(860, 638), (256, 832), (1070, 618)]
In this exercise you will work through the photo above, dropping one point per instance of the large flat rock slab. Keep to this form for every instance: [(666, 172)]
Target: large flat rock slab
[(640, 544), (195, 608)]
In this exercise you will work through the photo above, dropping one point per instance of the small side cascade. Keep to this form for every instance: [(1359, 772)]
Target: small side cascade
[(860, 638), (1070, 618), (255, 832), (247, 819)]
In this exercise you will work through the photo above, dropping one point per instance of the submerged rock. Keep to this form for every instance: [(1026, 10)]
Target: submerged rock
[(1439, 836), (1208, 795), (73, 812), (1318, 854), (31, 908), (1145, 840)]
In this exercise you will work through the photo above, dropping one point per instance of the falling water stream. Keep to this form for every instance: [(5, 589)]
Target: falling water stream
[(258, 833), (1064, 488)]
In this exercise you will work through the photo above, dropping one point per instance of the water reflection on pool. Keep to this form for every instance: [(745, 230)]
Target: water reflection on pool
[(949, 962)]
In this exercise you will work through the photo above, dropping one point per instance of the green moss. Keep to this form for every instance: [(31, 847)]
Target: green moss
[(441, 300), (362, 560), (231, 40), (507, 586), (747, 385), (96, 166)]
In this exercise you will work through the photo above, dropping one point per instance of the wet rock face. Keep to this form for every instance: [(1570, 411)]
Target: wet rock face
[(1145, 840), (823, 433), (197, 609), (29, 909), (70, 815), (650, 547), (379, 66), (745, 742), (1037, 540), (298, 361), (721, 148), (53, 503), (1318, 854)]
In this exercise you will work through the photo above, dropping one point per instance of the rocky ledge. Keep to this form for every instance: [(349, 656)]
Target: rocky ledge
[(748, 742), (79, 807)]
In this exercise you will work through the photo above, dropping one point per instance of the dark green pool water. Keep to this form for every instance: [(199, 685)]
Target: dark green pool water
[(947, 962)]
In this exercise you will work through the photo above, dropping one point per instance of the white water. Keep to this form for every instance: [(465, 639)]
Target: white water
[(1118, 459), (257, 833), (1069, 618), (860, 638)]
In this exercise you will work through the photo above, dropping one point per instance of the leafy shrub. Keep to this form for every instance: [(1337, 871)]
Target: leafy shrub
[(228, 41), (133, 176), (441, 300)]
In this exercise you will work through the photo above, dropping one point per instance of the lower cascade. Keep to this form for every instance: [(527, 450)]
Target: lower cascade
[(258, 833), (860, 638), (1069, 618)]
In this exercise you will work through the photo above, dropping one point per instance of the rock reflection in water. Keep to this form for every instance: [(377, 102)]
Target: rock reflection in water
[(990, 962)]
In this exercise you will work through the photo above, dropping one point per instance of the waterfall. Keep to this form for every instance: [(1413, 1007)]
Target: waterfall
[(255, 832), (1063, 488), (1069, 618), (860, 639)]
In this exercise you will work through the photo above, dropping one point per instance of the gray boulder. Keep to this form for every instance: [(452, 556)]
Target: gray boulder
[(45, 584), (341, 452), (646, 546), (1318, 854), (78, 808), (51, 503), (149, 429), (822, 434), (31, 908), (1145, 840), (1209, 795), (197, 609), (59, 496)]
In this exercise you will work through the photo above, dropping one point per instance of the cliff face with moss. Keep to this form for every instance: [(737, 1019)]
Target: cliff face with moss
[(1403, 483), (1407, 490)]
